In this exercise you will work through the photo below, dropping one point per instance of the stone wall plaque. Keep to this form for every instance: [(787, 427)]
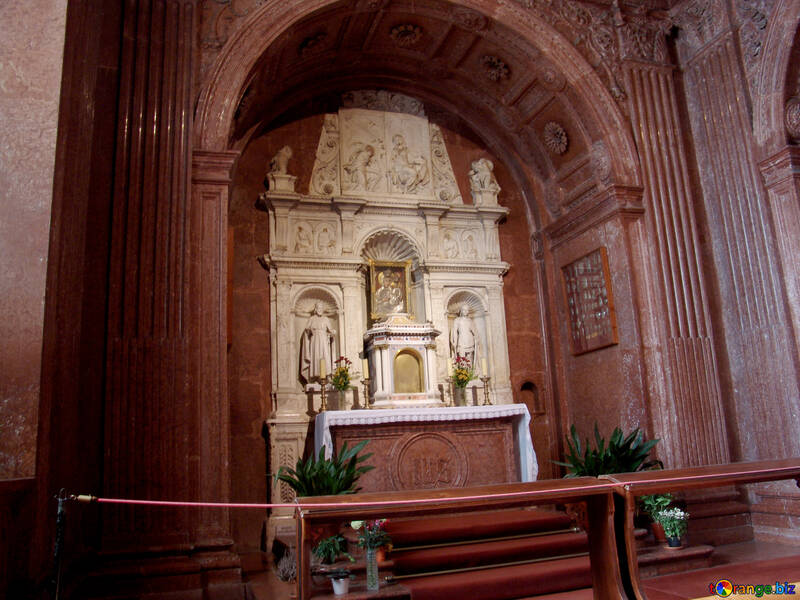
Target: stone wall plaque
[(589, 301)]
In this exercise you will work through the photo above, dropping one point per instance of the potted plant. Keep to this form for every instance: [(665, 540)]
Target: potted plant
[(651, 505), (328, 551), (622, 454), (674, 522), (371, 536), (320, 476)]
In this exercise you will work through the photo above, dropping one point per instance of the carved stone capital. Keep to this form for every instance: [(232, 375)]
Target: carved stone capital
[(615, 201)]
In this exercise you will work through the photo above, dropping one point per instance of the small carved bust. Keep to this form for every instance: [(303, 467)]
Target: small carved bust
[(280, 162)]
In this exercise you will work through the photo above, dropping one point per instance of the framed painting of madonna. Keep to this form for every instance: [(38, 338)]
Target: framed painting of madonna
[(390, 283)]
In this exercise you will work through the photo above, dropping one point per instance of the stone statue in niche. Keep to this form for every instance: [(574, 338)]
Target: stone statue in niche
[(278, 178), (316, 345), (359, 169), (408, 172), (483, 185), (464, 336)]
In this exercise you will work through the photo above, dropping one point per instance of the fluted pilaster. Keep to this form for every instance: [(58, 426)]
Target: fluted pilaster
[(689, 414), (743, 244)]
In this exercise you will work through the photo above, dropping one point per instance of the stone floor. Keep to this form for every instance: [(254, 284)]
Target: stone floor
[(744, 563)]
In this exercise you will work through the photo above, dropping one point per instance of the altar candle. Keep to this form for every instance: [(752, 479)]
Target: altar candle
[(323, 370), (449, 368), (483, 367), (364, 367)]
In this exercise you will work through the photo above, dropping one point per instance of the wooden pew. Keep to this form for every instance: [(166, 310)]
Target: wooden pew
[(629, 486), (598, 495)]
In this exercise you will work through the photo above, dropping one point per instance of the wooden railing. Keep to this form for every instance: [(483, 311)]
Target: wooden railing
[(631, 485), (612, 547)]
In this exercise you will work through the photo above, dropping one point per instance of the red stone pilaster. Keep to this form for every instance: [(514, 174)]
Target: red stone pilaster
[(167, 419), (687, 409), (745, 251)]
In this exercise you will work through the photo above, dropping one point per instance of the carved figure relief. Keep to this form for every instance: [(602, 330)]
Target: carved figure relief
[(302, 239), (408, 172), (449, 245), (326, 240), (468, 246), (360, 169), (383, 100), (791, 117)]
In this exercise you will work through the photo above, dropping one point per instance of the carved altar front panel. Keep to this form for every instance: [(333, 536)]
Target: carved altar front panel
[(426, 455)]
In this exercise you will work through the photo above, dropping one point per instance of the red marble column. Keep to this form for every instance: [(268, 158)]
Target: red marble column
[(687, 409), (753, 313)]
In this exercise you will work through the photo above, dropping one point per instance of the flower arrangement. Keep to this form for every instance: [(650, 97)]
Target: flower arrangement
[(340, 379), (462, 373), (371, 534), (674, 521)]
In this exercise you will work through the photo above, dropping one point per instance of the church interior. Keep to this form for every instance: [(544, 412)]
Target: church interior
[(241, 233)]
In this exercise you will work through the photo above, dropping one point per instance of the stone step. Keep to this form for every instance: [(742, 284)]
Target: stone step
[(660, 560)]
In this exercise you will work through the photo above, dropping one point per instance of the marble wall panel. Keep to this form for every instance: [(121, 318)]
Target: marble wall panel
[(31, 49)]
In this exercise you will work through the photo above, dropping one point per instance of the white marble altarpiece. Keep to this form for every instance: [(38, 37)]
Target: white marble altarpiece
[(382, 192)]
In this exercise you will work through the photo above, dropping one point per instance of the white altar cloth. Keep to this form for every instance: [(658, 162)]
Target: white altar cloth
[(522, 435)]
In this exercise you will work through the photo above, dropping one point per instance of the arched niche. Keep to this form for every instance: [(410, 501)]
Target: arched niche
[(302, 309), (391, 245), (478, 313), (408, 372)]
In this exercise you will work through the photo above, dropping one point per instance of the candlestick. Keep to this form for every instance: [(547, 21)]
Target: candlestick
[(364, 368), (323, 369), (485, 379), (484, 370), (365, 383), (449, 368), (323, 405)]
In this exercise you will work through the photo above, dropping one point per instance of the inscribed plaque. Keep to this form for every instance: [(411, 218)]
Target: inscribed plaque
[(590, 304)]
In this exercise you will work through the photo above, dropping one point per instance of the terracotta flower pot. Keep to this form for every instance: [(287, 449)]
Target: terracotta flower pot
[(658, 532)]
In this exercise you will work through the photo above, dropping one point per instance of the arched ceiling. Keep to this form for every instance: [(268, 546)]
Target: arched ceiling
[(535, 103), (450, 57)]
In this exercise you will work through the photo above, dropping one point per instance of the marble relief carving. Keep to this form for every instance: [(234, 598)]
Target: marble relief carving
[(325, 174), (445, 187), (381, 100)]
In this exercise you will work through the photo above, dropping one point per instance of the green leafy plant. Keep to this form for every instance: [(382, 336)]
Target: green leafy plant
[(320, 476), (655, 503), (674, 522), (328, 550), (622, 454)]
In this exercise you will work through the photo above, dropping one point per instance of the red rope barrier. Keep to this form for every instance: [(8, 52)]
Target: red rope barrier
[(521, 494)]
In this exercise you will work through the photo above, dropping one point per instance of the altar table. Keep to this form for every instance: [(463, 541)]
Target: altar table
[(420, 448)]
